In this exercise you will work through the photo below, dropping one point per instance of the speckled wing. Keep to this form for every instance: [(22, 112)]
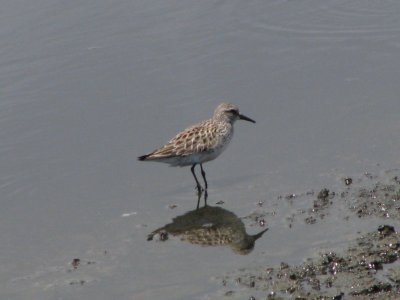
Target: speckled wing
[(198, 138)]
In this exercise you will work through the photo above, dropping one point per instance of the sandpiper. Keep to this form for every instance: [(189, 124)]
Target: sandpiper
[(200, 143)]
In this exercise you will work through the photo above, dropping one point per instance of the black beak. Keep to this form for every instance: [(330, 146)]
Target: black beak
[(258, 235), (242, 117)]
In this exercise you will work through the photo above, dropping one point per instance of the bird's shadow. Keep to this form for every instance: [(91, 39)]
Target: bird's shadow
[(209, 226)]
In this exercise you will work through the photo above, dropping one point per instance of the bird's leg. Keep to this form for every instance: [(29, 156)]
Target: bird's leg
[(205, 197), (198, 200), (205, 184), (198, 186)]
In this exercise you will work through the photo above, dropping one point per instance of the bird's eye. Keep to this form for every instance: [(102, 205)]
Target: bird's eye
[(233, 111)]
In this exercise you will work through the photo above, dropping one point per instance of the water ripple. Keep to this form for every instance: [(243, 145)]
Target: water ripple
[(335, 18)]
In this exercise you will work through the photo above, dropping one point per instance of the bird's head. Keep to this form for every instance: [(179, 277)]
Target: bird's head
[(229, 112)]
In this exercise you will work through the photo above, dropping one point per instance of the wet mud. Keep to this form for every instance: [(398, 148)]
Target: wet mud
[(366, 268)]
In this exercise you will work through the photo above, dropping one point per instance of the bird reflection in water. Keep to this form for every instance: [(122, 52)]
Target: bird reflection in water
[(210, 226)]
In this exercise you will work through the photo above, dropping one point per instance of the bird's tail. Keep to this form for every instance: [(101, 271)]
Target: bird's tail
[(143, 157)]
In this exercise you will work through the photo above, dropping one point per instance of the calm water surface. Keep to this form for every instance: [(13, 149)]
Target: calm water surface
[(88, 86)]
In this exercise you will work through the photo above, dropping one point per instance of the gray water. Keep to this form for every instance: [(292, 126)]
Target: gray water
[(87, 86)]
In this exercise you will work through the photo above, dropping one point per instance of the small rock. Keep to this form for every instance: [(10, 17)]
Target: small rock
[(348, 181), (386, 230), (75, 263)]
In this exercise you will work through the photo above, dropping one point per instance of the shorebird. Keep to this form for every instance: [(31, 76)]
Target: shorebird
[(200, 143)]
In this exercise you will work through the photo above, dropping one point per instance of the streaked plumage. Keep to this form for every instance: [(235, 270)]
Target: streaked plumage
[(201, 142)]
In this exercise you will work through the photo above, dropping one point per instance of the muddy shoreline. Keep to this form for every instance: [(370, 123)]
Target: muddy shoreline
[(367, 268)]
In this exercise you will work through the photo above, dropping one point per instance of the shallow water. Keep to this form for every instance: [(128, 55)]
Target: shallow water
[(88, 87)]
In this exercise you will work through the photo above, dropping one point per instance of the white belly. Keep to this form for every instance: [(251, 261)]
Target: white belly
[(202, 157)]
